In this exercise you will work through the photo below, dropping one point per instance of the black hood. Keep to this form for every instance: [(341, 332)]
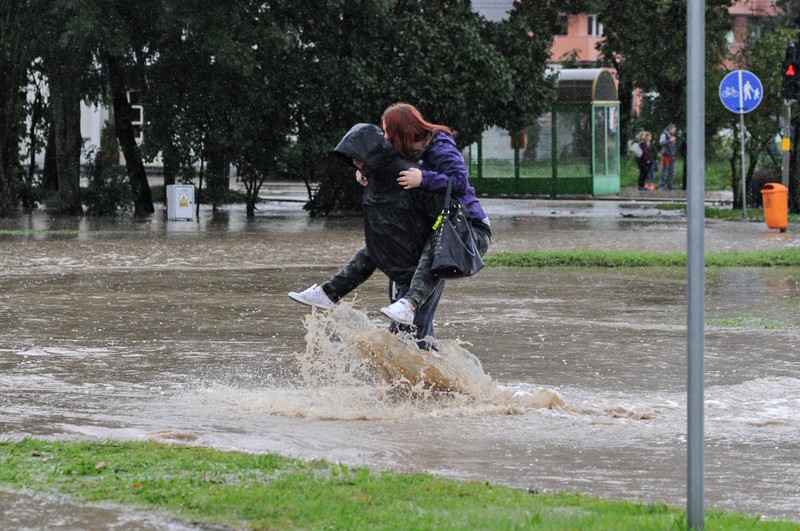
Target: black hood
[(365, 142), (397, 222)]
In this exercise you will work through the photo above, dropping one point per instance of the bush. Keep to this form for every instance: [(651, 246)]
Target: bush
[(760, 178), (108, 192)]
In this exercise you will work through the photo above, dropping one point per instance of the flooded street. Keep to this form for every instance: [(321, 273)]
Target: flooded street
[(124, 329)]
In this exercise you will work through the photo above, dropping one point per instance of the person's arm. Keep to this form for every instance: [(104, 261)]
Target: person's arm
[(442, 161), (443, 164)]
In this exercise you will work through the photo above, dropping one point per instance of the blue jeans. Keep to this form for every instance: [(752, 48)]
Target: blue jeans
[(423, 318), (669, 171)]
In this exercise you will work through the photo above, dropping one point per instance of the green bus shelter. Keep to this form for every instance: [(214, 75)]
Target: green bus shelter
[(572, 150)]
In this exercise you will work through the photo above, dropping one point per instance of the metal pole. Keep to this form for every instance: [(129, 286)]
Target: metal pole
[(786, 142), (695, 159), (741, 141)]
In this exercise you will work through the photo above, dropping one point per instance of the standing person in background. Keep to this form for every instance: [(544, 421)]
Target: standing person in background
[(643, 160), (669, 151), (682, 151), (434, 147), (653, 166)]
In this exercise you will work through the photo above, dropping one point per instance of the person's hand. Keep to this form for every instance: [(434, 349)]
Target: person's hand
[(410, 178), (360, 179)]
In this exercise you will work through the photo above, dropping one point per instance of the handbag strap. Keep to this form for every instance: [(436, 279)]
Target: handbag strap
[(446, 209), (448, 193)]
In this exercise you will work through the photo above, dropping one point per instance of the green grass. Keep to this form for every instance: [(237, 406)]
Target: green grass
[(604, 258), (728, 214), (265, 491), (29, 232), (717, 174), (744, 321)]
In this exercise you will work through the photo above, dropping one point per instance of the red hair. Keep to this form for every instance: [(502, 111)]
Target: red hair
[(404, 126)]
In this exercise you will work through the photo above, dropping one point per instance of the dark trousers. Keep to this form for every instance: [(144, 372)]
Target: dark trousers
[(643, 171), (352, 275), (360, 268), (423, 318)]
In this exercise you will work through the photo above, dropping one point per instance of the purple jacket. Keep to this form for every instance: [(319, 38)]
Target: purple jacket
[(442, 160)]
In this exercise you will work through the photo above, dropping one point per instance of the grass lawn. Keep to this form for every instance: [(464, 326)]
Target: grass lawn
[(266, 491), (603, 258)]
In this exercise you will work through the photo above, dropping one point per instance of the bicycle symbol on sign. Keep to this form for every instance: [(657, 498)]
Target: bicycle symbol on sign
[(730, 92)]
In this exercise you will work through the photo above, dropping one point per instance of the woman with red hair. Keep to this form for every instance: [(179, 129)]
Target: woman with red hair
[(434, 148)]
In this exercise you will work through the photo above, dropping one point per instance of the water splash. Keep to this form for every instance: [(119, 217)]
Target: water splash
[(344, 347)]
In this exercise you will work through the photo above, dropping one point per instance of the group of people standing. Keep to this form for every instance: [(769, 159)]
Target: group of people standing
[(666, 152)]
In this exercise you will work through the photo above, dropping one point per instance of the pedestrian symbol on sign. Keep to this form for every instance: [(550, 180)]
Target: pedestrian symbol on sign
[(741, 91)]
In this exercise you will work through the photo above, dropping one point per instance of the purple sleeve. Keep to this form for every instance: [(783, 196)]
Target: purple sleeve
[(442, 161)]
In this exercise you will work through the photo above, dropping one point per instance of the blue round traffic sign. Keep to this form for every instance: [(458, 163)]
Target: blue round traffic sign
[(741, 91)]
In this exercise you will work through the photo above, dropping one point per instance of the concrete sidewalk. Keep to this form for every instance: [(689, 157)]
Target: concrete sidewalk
[(296, 191)]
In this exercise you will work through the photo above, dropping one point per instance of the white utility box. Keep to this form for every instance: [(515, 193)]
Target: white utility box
[(180, 202)]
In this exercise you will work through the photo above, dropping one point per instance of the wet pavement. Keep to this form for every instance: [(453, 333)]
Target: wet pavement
[(154, 329)]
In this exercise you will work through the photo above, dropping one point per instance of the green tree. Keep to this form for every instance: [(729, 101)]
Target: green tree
[(646, 43), (524, 40), (217, 93), (175, 98), (430, 54), (66, 55), (124, 34), (340, 72), (15, 55), (260, 110), (763, 57)]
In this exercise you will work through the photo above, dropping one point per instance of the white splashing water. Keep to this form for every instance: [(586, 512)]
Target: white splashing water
[(354, 369)]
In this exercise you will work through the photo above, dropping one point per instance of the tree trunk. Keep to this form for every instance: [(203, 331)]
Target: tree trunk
[(217, 180), (172, 164), (66, 102), (6, 168), (50, 170), (142, 196), (625, 94), (12, 78)]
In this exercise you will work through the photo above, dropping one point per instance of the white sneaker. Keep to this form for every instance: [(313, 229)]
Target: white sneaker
[(313, 296), (400, 311)]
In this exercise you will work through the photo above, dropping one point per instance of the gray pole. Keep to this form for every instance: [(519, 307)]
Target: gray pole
[(741, 142), (786, 142), (695, 158)]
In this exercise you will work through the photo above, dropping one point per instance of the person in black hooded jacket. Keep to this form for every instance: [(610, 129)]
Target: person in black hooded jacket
[(397, 225)]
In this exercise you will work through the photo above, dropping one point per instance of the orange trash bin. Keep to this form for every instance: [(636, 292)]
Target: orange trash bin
[(776, 205)]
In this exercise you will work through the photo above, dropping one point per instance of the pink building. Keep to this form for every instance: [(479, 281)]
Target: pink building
[(583, 31), (579, 42), (744, 18)]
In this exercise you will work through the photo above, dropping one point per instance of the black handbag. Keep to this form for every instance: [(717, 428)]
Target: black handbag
[(454, 252)]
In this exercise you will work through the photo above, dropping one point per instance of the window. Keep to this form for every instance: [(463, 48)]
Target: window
[(137, 120), (137, 114), (563, 25), (595, 27)]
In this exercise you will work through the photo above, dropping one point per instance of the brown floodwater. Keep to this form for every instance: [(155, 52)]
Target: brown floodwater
[(567, 379)]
